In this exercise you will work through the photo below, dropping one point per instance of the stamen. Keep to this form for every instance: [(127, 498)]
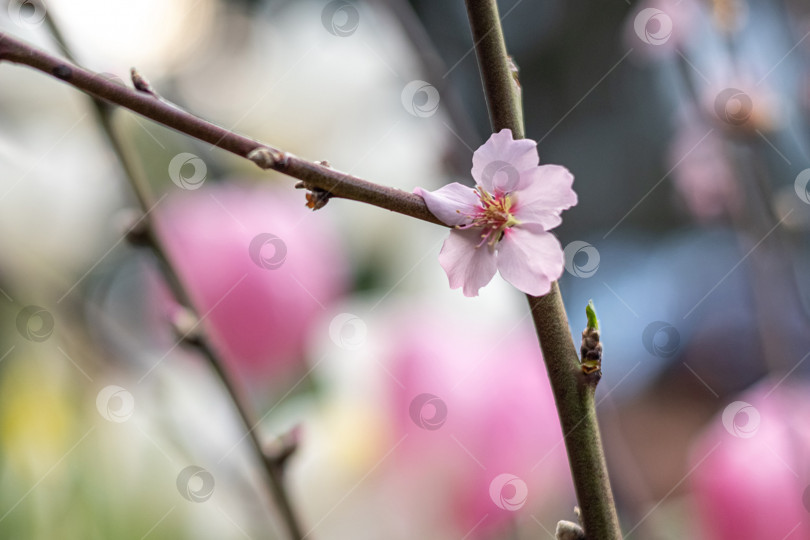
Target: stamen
[(493, 217)]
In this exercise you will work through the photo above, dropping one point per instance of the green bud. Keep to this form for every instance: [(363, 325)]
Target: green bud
[(590, 312)]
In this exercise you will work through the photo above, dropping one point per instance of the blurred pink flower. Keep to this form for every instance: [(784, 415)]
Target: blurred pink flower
[(752, 474), (483, 438), (260, 269), (502, 223), (702, 172)]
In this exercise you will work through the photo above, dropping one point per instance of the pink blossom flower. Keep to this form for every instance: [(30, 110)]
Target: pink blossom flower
[(502, 223), (259, 267), (751, 477), (702, 172), (481, 425)]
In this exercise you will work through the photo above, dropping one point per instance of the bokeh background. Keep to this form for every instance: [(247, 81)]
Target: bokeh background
[(419, 413)]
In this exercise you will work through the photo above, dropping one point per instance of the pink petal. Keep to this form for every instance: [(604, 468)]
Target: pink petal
[(466, 264), (453, 203), (545, 197), (530, 259), (501, 163)]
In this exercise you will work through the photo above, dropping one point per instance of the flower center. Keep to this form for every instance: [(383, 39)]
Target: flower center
[(494, 216)]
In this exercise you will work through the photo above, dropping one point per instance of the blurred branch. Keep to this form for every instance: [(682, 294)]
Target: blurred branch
[(436, 72), (314, 175), (573, 394), (773, 264), (146, 236), (272, 464)]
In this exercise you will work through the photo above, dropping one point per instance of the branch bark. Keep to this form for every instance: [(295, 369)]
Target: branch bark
[(314, 175), (573, 391)]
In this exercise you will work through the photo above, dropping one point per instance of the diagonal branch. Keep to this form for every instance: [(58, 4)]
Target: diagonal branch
[(314, 175)]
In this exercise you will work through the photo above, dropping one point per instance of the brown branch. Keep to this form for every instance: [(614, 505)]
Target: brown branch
[(314, 175), (573, 391)]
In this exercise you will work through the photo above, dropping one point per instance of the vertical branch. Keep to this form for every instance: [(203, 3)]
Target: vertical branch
[(148, 236), (497, 73), (573, 391), (576, 407)]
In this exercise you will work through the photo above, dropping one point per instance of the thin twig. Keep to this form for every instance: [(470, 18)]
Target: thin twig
[(314, 175), (573, 392), (146, 200), (435, 70)]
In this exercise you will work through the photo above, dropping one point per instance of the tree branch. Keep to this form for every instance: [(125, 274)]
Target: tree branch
[(498, 76), (573, 393), (146, 235), (314, 175)]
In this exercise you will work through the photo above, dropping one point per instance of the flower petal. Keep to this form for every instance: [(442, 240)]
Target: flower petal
[(466, 264), (530, 259), (543, 199), (500, 164), (453, 203)]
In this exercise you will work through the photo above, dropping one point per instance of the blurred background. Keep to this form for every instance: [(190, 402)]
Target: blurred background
[(419, 413)]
